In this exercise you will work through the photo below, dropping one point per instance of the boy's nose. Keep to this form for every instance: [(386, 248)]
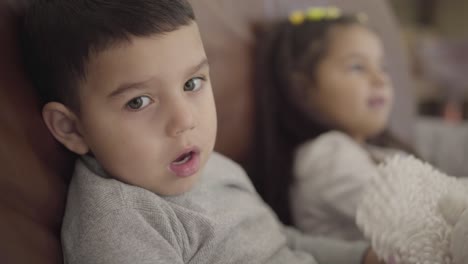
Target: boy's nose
[(181, 121)]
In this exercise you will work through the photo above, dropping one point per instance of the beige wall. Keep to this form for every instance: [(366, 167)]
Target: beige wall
[(451, 17), (405, 10)]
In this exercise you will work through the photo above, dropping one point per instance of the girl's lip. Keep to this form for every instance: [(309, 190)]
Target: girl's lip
[(187, 163), (377, 102)]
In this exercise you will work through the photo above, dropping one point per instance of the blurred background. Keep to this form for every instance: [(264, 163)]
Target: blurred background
[(435, 33)]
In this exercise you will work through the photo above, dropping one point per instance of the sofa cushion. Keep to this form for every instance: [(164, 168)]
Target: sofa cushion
[(33, 166)]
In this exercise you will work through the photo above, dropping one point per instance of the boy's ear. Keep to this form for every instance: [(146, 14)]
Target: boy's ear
[(64, 126)]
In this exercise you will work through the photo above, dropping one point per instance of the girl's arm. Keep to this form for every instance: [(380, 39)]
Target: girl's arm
[(329, 250), (330, 174)]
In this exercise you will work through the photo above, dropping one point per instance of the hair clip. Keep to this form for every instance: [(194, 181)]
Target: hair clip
[(321, 13), (314, 14), (297, 17)]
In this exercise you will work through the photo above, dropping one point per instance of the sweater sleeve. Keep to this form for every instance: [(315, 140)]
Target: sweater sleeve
[(330, 173), (327, 250), (122, 237)]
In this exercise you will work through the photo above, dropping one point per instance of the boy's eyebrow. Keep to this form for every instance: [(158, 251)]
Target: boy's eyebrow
[(139, 85), (127, 86), (196, 68)]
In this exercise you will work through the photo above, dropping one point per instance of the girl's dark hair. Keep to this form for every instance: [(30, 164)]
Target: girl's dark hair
[(59, 36), (282, 51)]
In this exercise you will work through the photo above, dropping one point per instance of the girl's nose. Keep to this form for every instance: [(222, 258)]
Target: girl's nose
[(380, 79)]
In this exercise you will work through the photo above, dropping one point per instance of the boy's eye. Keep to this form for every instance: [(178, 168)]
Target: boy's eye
[(138, 103), (193, 84)]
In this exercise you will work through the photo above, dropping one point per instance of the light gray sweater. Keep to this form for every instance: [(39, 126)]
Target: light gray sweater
[(221, 220)]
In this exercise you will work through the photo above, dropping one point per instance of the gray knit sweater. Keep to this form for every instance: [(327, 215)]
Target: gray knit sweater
[(221, 220)]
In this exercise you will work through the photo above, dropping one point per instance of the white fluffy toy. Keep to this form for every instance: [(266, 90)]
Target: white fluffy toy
[(414, 214)]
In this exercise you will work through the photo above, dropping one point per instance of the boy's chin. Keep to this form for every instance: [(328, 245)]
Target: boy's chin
[(181, 186), (180, 190)]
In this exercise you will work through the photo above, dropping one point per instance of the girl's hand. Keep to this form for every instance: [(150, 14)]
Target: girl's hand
[(371, 258)]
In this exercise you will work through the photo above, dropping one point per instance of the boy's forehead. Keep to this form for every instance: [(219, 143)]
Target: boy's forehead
[(168, 46), (161, 57)]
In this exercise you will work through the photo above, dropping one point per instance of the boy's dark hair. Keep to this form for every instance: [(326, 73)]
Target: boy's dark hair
[(59, 36), (282, 51)]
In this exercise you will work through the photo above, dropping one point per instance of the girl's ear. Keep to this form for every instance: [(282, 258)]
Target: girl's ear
[(300, 88), (64, 126)]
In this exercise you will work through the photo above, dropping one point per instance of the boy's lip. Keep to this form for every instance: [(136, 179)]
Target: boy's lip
[(187, 163)]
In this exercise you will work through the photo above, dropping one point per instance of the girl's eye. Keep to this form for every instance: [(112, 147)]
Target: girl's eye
[(138, 103), (193, 84), (357, 67)]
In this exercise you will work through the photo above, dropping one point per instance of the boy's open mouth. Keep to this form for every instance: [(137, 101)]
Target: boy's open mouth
[(187, 163), (183, 158)]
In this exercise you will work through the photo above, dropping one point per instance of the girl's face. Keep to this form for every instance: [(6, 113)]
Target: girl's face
[(352, 92)]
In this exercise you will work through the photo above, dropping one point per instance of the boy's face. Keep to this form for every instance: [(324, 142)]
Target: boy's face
[(147, 112)]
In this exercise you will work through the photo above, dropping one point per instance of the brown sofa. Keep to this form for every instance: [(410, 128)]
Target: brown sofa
[(33, 166), (35, 169)]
